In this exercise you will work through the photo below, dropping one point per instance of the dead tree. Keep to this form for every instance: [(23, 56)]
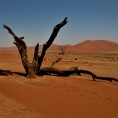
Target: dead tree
[(32, 69), (62, 49)]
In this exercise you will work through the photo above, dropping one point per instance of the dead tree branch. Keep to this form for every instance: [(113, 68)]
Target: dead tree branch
[(56, 61), (30, 68), (54, 71), (50, 41)]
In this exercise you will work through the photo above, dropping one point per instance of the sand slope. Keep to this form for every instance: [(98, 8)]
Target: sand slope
[(60, 97), (94, 46)]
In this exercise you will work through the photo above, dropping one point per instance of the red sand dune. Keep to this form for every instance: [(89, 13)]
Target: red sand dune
[(87, 46), (94, 46)]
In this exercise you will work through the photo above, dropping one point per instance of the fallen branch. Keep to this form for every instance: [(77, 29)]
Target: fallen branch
[(57, 72)]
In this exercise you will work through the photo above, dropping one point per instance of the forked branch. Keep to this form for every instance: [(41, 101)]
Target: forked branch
[(50, 41)]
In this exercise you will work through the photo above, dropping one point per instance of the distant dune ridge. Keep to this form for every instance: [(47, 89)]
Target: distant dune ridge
[(94, 46), (87, 46)]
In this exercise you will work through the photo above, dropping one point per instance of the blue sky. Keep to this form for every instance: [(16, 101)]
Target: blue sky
[(35, 19)]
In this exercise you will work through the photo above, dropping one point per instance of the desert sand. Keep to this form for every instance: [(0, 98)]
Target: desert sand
[(60, 97)]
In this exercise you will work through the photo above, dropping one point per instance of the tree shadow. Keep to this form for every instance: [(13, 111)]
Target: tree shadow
[(9, 72)]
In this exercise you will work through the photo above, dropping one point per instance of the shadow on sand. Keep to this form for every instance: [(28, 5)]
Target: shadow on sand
[(9, 72)]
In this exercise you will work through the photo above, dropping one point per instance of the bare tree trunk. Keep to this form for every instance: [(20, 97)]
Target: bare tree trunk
[(32, 69)]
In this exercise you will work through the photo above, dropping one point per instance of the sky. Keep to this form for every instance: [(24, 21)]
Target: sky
[(35, 19)]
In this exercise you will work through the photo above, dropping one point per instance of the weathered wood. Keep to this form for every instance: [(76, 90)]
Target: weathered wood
[(30, 68), (50, 41), (33, 68), (54, 71)]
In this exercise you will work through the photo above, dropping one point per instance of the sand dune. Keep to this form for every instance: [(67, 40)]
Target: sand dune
[(94, 46), (87, 46)]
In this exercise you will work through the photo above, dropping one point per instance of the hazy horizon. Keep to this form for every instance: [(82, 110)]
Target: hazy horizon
[(35, 19)]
